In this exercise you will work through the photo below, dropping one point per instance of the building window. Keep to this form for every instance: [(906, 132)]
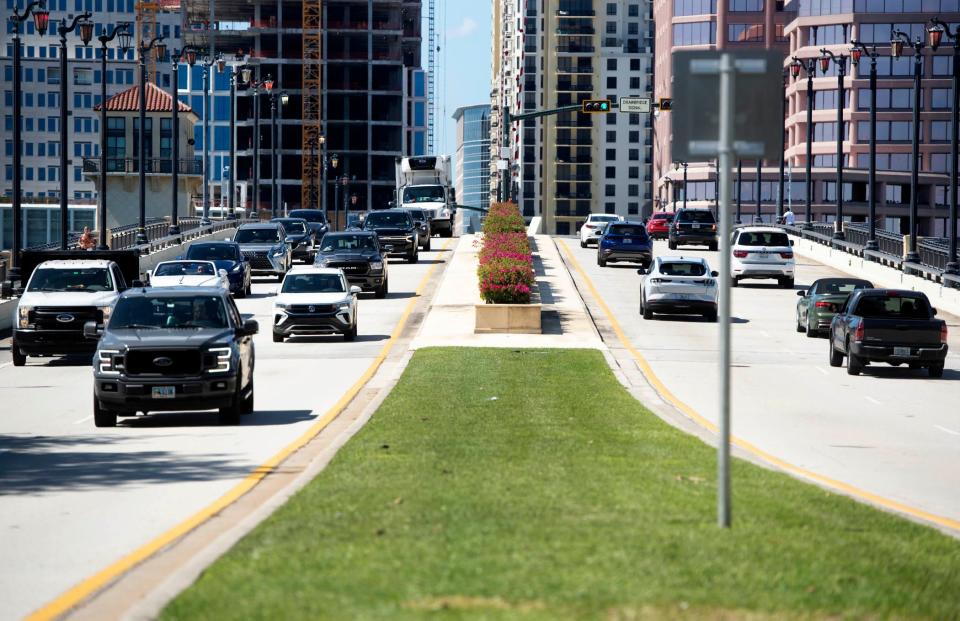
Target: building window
[(610, 171), (694, 7), (888, 131), (695, 33), (609, 190), (746, 6), (744, 33)]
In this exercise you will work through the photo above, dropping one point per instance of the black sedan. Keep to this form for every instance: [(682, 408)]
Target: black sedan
[(227, 256)]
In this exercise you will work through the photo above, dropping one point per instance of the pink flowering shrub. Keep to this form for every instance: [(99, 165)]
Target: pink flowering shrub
[(506, 262)]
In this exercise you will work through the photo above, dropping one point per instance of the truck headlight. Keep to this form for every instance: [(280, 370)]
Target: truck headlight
[(376, 265), (221, 361), (106, 310), (109, 361), (24, 315), (237, 268), (409, 238)]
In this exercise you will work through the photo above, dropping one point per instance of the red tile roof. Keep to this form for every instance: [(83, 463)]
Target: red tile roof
[(129, 101)]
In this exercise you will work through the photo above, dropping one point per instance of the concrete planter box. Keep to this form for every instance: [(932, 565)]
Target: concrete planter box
[(507, 319)]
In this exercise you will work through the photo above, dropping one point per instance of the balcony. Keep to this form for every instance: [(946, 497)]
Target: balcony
[(575, 49), (575, 31), (575, 13), (155, 166)]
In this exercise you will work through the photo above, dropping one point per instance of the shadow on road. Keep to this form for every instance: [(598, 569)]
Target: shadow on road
[(77, 463), (401, 295), (73, 360), (903, 373), (260, 418)]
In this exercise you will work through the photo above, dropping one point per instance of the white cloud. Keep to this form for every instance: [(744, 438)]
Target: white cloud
[(464, 30)]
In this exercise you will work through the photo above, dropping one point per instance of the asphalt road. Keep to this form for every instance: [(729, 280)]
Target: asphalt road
[(74, 498), (892, 432)]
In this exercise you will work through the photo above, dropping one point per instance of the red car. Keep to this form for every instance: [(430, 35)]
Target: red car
[(659, 224)]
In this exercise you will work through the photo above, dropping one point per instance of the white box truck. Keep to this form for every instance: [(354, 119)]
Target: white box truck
[(425, 183)]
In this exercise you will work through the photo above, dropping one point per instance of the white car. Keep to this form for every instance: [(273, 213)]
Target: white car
[(591, 229), (187, 273), (315, 301), (762, 252), (680, 286)]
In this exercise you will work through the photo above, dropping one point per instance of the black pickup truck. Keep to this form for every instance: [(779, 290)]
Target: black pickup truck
[(888, 325)]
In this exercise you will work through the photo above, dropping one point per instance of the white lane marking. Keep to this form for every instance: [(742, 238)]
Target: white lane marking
[(822, 370), (873, 401), (950, 431), (83, 420)]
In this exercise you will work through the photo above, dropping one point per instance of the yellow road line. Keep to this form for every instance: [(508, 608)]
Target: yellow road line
[(94, 583), (668, 396)]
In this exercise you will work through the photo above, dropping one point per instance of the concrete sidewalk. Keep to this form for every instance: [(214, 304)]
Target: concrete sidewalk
[(450, 319)]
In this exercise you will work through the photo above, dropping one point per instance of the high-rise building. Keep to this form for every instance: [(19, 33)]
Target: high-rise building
[(351, 71), (559, 53), (40, 84), (472, 182)]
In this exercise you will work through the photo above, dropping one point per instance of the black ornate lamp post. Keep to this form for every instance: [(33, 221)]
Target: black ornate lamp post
[(857, 50), (312, 143), (897, 40), (86, 34), (206, 63), (124, 32), (676, 166), (41, 19), (739, 190), (335, 162), (175, 59), (236, 72), (936, 33), (841, 62), (255, 86), (160, 49), (811, 70), (758, 186), (274, 143), (323, 173), (783, 144)]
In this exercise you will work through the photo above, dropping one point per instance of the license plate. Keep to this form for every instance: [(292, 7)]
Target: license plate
[(901, 351), (628, 241), (163, 392), (695, 226), (682, 296)]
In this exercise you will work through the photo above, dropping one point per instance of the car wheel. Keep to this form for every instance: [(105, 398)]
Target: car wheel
[(672, 245), (711, 316), (242, 293), (836, 358), (583, 244), (645, 310), (248, 290), (811, 333), (351, 334), (712, 247), (426, 246), (230, 415), (413, 258), (277, 338), (786, 283), (734, 282), (935, 370), (381, 291), (280, 276), (854, 363), (19, 358), (601, 262), (247, 406), (800, 326), (102, 417)]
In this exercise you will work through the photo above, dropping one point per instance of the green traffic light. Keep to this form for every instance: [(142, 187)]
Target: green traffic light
[(604, 106)]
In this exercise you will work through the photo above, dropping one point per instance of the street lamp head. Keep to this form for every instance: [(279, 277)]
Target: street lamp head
[(896, 48), (334, 161), (353, 199), (160, 50), (676, 165), (124, 35), (284, 99), (855, 54), (246, 74), (935, 35), (268, 84), (190, 55), (824, 63), (221, 63), (86, 31), (795, 67), (41, 19), (321, 139)]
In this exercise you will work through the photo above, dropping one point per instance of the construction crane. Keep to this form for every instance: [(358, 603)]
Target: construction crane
[(312, 104)]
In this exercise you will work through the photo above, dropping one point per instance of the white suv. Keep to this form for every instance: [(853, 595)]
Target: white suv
[(762, 252), (678, 285), (591, 229)]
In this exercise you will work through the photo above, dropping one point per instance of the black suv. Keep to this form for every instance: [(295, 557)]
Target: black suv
[(397, 232), (173, 349), (421, 217), (361, 257), (693, 227), (300, 238), (316, 220)]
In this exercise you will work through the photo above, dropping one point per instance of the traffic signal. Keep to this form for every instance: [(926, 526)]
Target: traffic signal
[(666, 104), (595, 106)]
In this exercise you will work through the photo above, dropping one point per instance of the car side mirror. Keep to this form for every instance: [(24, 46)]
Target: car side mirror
[(249, 328), (355, 290), (715, 273), (933, 312), (792, 242), (802, 294), (392, 204), (641, 271), (222, 273), (91, 330)]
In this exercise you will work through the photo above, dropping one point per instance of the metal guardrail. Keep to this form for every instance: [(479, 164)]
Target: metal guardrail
[(194, 232), (154, 165)]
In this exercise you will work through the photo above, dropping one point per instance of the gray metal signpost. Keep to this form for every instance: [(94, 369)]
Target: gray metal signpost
[(747, 127)]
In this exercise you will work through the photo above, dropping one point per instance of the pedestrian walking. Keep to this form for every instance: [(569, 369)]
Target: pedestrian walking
[(788, 217), (86, 241)]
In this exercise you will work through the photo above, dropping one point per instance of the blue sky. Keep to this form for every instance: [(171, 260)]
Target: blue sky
[(464, 77)]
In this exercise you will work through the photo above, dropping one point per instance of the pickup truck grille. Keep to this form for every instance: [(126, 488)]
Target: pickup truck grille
[(351, 267), (64, 317), (155, 362), (317, 309)]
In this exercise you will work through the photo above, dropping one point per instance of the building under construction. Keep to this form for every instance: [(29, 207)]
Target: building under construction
[(351, 72)]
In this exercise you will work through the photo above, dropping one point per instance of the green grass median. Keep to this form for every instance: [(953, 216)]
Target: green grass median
[(499, 484)]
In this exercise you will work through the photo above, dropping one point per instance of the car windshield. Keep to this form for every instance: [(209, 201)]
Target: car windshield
[(336, 243), (424, 194), (180, 312), (839, 287), (626, 230), (662, 216), (313, 283), (218, 252), (765, 238), (185, 268), (603, 218), (700, 215), (76, 279), (893, 307), (388, 219), (261, 235), (683, 268), (294, 227), (309, 216), (417, 214)]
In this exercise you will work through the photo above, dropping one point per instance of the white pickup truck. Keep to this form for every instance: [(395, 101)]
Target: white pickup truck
[(61, 296)]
